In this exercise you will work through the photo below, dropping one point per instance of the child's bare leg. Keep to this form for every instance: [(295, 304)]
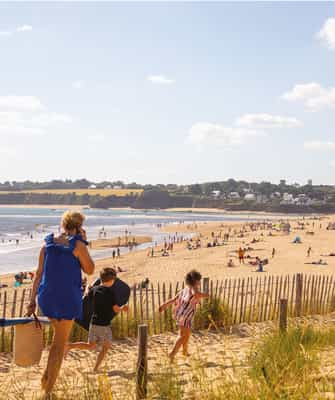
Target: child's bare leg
[(104, 350), (78, 346), (186, 341), (179, 342)]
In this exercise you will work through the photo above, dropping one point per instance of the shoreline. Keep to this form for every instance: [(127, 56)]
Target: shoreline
[(244, 213), (187, 210), (46, 206)]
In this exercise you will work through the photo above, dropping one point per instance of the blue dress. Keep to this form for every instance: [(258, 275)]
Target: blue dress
[(59, 293)]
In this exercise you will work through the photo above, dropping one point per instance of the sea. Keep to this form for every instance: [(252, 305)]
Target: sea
[(22, 230)]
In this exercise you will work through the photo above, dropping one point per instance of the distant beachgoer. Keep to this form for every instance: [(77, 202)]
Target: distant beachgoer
[(113, 253), (260, 266), (118, 252), (145, 283), (259, 263), (186, 302), (309, 251), (230, 263), (273, 252), (58, 286), (165, 253), (241, 255)]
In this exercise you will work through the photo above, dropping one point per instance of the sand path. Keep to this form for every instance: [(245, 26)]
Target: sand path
[(215, 352)]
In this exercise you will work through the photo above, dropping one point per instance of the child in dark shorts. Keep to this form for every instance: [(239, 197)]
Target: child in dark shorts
[(104, 310)]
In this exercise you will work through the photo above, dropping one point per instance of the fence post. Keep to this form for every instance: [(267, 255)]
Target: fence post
[(206, 285), (4, 316), (142, 363), (283, 315), (298, 295)]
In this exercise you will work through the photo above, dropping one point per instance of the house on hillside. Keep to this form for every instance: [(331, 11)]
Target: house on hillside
[(275, 195), (215, 194), (250, 197), (92, 186), (288, 199), (234, 196)]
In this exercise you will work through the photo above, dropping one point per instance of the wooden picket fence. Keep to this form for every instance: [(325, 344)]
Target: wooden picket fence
[(231, 301)]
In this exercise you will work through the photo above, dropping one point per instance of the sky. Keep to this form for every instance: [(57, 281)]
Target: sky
[(167, 92)]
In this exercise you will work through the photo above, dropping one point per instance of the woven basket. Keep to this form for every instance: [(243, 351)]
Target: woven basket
[(28, 343)]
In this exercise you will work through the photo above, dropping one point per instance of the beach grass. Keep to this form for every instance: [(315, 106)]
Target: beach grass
[(279, 367)]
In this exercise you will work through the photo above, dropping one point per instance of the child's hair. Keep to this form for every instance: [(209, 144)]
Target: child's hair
[(107, 274), (72, 220), (192, 277)]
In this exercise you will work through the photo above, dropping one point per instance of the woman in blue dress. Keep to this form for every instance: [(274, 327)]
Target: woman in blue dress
[(57, 286)]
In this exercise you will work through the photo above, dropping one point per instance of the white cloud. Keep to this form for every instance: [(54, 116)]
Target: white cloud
[(312, 95), (5, 33), (245, 127), (207, 133), (78, 84), (24, 28), (6, 151), (20, 103), (19, 29), (327, 33), (267, 121), (97, 137), (27, 116), (160, 80), (319, 145)]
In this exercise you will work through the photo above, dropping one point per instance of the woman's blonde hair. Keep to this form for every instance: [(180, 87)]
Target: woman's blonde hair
[(72, 220)]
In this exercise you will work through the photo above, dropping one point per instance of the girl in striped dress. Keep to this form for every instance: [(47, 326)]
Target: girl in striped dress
[(186, 302)]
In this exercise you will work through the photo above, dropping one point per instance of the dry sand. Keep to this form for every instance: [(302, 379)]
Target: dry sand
[(213, 354), (212, 262)]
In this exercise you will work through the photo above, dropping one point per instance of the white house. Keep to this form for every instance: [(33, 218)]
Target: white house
[(275, 195), (287, 199), (234, 196), (216, 193), (92, 186), (250, 197)]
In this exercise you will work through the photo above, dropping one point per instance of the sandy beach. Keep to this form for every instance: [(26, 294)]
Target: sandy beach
[(212, 262)]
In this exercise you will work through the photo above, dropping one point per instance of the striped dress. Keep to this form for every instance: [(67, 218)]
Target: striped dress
[(186, 304)]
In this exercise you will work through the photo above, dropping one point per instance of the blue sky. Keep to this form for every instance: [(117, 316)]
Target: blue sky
[(170, 93)]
